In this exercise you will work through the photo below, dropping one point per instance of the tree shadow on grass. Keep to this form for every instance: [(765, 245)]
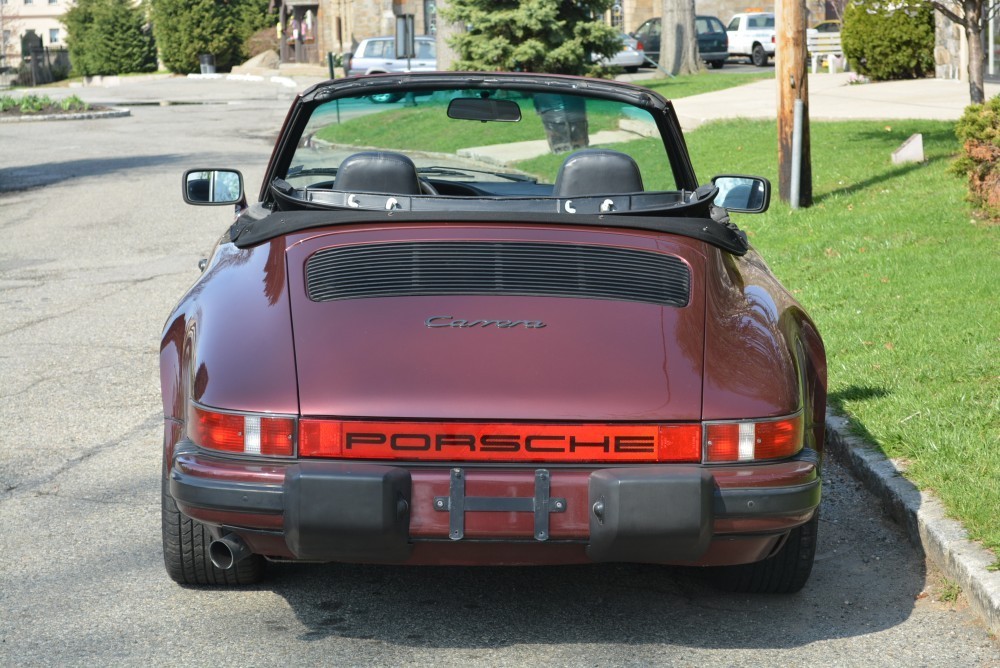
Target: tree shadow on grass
[(838, 402), (877, 179)]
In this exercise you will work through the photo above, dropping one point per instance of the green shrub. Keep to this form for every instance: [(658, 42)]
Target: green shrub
[(73, 103), (108, 37), (186, 29), (889, 39), (979, 132), (32, 104)]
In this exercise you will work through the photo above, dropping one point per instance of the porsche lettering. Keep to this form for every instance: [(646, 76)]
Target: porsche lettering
[(510, 443)]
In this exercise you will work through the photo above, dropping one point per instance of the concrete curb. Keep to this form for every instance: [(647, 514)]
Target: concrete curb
[(942, 539), (113, 112)]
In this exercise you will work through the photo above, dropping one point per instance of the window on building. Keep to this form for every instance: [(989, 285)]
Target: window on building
[(53, 35), (430, 17), (618, 16)]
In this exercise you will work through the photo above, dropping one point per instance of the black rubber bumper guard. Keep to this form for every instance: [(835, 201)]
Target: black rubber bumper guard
[(354, 511)]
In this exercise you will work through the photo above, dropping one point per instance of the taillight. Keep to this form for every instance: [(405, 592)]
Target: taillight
[(639, 46), (752, 440), (243, 433)]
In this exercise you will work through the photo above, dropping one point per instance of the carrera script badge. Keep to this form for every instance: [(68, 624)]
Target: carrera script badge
[(450, 321)]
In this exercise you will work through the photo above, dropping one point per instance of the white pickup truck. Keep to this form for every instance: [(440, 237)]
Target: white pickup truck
[(751, 34)]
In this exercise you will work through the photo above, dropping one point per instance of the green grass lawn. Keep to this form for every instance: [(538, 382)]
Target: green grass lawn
[(696, 84), (903, 285)]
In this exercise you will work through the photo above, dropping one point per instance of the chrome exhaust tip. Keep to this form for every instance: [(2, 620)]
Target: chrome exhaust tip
[(227, 551)]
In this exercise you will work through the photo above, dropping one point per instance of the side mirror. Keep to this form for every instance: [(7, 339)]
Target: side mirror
[(745, 194), (212, 187)]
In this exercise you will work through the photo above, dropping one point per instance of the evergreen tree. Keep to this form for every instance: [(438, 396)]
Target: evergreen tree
[(554, 36), (109, 37), (186, 29)]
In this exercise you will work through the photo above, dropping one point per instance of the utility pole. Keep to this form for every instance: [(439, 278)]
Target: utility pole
[(794, 159)]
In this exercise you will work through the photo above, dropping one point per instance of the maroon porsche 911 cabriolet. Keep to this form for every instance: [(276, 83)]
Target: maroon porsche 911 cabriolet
[(499, 321)]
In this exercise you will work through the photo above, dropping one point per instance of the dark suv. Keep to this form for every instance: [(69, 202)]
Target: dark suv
[(713, 43)]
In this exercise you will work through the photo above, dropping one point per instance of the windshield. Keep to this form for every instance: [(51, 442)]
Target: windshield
[(504, 142)]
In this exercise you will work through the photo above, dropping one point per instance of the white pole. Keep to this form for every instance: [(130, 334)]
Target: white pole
[(794, 186)]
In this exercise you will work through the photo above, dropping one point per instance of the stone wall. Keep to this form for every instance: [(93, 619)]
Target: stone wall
[(948, 51)]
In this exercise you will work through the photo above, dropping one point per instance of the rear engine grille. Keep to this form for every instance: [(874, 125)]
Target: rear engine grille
[(497, 268)]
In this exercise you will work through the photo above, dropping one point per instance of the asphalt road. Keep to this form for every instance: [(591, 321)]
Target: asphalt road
[(96, 246)]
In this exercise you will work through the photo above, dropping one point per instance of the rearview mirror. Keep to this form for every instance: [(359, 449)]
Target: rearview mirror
[(484, 109), (745, 194), (212, 186)]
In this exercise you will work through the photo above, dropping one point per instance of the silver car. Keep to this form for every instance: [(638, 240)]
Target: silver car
[(377, 55), (631, 56)]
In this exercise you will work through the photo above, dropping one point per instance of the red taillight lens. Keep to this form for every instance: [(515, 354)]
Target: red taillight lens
[(750, 441), (244, 433), (639, 46)]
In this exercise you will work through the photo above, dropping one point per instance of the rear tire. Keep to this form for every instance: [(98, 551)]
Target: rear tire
[(716, 64), (759, 56), (185, 551), (784, 573)]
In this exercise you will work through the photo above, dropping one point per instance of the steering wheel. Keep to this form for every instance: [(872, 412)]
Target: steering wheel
[(426, 188)]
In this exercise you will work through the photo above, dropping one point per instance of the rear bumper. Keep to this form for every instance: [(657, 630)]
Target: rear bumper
[(373, 512), (713, 55)]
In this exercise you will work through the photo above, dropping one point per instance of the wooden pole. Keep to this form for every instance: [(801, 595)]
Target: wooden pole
[(793, 84)]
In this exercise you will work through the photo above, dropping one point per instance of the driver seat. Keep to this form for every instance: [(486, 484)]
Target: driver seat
[(378, 172)]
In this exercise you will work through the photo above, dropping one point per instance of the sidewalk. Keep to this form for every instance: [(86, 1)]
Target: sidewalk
[(833, 98)]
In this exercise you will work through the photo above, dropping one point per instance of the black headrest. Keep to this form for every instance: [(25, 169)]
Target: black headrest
[(378, 172), (597, 171)]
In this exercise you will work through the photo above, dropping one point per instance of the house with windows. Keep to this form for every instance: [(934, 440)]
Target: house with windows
[(18, 17)]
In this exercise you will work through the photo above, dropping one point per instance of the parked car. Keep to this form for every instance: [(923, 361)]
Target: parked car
[(377, 55), (399, 354), (713, 42), (713, 45), (752, 35), (827, 26), (631, 56)]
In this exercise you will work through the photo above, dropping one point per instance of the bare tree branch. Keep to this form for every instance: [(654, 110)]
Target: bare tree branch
[(948, 12)]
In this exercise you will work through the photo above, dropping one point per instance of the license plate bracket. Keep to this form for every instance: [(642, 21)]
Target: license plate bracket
[(456, 504)]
